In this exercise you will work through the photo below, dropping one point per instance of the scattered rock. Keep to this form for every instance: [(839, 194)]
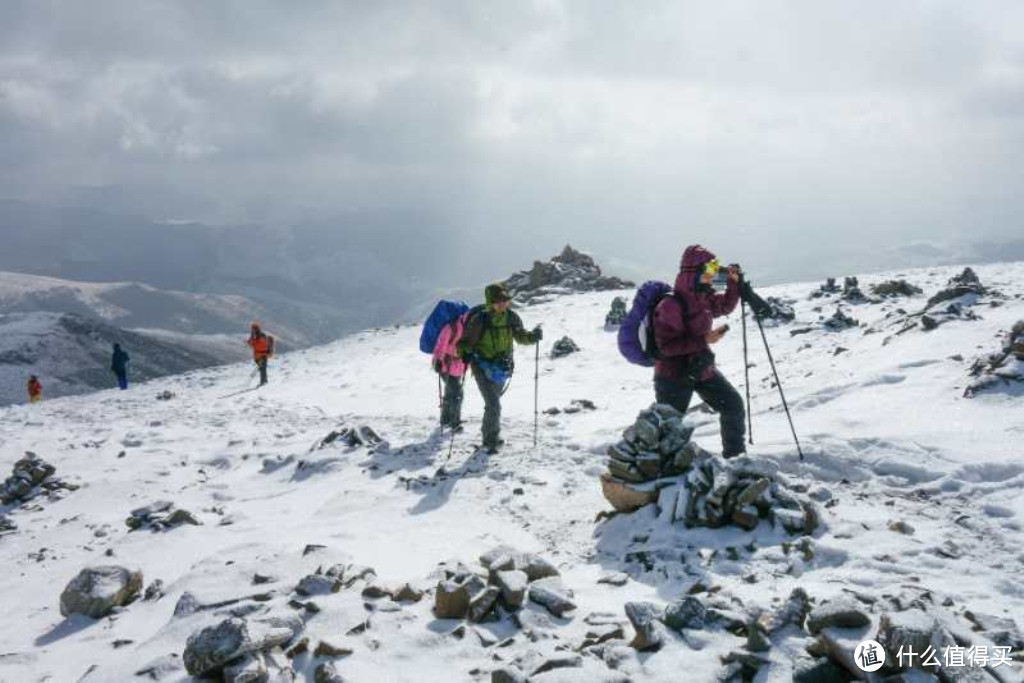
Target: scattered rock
[(563, 661), (563, 347), (154, 591), (96, 591), (644, 618), (615, 579), (317, 584), (213, 648), (895, 288), (508, 674), (841, 613), (160, 516), (326, 673), (165, 395), (327, 649), (686, 612), (451, 600), (513, 585), (161, 667), (552, 594), (901, 527)]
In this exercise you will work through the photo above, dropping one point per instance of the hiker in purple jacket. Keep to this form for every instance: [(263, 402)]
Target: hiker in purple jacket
[(683, 331)]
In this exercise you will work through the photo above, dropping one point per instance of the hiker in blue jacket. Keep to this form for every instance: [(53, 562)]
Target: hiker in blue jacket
[(119, 366)]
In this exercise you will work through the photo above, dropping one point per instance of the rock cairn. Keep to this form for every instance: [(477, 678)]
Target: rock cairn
[(840, 321), (31, 476), (569, 272), (966, 283), (506, 578), (160, 516), (656, 462), (564, 347), (617, 313), (830, 287)]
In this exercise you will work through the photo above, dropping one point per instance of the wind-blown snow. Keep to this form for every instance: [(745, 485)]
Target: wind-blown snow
[(884, 428)]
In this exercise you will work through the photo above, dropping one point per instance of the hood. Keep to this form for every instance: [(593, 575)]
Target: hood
[(694, 257), (689, 268)]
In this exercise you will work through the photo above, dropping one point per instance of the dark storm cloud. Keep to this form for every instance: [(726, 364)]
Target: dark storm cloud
[(769, 130)]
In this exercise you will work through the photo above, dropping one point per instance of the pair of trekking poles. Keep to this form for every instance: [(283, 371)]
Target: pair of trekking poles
[(760, 308), (462, 382)]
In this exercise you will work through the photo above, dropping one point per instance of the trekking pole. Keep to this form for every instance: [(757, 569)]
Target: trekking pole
[(746, 372), (451, 443), (536, 391), (440, 401), (778, 383)]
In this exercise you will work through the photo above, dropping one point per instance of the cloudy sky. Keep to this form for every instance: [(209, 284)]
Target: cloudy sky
[(787, 135)]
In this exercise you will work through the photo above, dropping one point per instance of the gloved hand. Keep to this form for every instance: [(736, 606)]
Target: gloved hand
[(537, 334), (437, 365)]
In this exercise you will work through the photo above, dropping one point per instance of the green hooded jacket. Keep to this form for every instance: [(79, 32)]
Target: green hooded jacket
[(489, 335)]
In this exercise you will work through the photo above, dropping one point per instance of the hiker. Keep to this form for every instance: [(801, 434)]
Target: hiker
[(262, 346), (452, 370), (487, 345), (119, 366), (35, 389), (683, 331)]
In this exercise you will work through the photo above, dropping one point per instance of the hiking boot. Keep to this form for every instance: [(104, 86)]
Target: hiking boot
[(730, 456), (494, 447)]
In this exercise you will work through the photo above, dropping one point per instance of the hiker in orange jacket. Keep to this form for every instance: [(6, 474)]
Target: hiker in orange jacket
[(262, 346), (35, 390)]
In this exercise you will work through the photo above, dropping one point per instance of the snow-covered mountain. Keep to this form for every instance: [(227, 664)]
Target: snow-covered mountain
[(133, 305), (919, 493), (71, 354)]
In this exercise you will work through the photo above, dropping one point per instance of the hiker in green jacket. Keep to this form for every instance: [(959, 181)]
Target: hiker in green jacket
[(487, 344)]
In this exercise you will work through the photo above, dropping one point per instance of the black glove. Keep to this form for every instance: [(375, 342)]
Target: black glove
[(538, 334)]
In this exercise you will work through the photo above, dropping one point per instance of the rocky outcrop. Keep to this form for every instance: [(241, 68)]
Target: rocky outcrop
[(235, 647), (569, 272)]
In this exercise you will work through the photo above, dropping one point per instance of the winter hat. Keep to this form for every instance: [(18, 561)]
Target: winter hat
[(495, 293)]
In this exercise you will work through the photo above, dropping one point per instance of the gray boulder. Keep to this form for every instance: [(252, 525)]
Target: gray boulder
[(644, 617), (686, 612), (326, 673), (842, 613), (213, 648), (96, 591), (552, 594)]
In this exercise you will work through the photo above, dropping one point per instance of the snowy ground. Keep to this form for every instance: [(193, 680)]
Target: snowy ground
[(883, 425)]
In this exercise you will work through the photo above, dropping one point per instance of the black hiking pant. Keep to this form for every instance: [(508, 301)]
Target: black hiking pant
[(122, 379), (720, 395), (451, 405), (262, 365), (491, 392)]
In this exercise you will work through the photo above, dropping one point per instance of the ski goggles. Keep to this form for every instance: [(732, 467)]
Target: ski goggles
[(711, 267)]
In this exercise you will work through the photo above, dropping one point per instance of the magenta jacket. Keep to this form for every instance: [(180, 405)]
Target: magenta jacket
[(446, 353), (680, 339)]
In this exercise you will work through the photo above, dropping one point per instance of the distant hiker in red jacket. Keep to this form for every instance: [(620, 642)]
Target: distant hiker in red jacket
[(262, 345), (683, 332), (35, 390)]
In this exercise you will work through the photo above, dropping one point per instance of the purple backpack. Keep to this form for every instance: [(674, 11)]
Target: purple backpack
[(636, 333)]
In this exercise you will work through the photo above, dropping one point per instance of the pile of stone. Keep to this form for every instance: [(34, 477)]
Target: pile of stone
[(505, 579), (964, 284), (840, 321), (569, 272), (165, 395), (852, 292), (891, 289), (563, 347), (237, 649), (617, 313), (98, 591), (1002, 368), (160, 516), (830, 287), (656, 462), (31, 476), (781, 309)]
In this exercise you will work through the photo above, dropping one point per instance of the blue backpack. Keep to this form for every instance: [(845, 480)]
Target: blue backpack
[(636, 333), (444, 312)]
